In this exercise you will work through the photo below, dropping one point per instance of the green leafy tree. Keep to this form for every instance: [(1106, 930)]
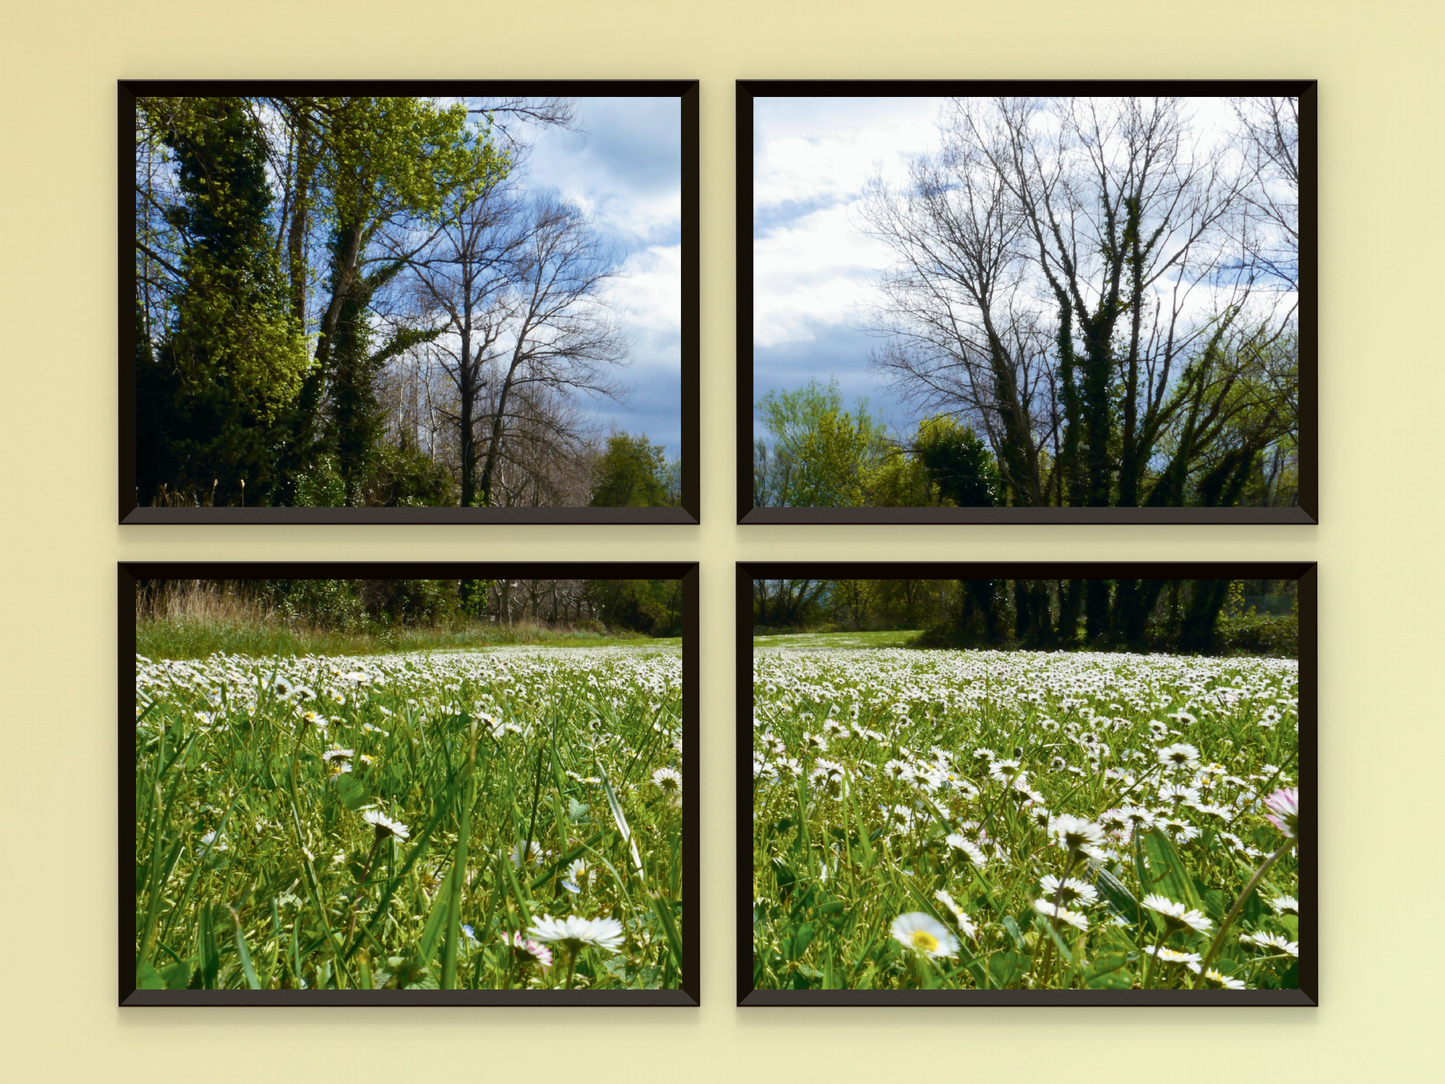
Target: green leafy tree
[(233, 355), (632, 473), (366, 165), (821, 456), (957, 462)]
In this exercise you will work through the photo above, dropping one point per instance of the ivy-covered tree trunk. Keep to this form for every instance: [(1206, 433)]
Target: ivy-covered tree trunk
[(233, 352)]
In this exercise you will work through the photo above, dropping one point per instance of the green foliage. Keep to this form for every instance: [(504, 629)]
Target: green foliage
[(821, 455), (632, 473), (399, 154), (957, 462), (232, 405), (653, 607), (1259, 635), (232, 355)]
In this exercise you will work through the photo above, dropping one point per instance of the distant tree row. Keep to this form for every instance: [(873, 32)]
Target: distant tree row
[(1092, 303), (1190, 616), (652, 607), (355, 301)]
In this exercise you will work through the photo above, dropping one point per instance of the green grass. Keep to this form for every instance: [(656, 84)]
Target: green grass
[(839, 640), (884, 778), (257, 868)]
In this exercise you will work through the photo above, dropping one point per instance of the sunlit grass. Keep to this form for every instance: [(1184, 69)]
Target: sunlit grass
[(408, 821), (972, 819)]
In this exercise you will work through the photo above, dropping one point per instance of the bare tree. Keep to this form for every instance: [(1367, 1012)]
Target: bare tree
[(1066, 277), (963, 339), (1269, 140), (520, 287)]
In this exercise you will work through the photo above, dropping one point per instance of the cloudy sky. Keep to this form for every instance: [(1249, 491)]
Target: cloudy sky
[(813, 266), (623, 167)]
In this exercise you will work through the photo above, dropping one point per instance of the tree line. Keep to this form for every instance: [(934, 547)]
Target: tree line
[(650, 607), (357, 301), (1188, 616), (1091, 303)]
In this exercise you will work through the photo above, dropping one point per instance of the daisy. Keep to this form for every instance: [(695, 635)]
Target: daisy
[(1285, 905), (898, 770), (968, 848), (1074, 918), (1175, 916), (1271, 941), (1178, 755), (964, 922), (576, 933), (1073, 891), (533, 851), (1138, 817), (578, 877), (1176, 792), (1283, 806), (1077, 835), (1005, 770), (924, 934), (1218, 980), (385, 826), (525, 950), (1172, 956), (669, 781)]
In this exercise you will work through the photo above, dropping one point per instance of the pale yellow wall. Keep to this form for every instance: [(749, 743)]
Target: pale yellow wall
[(1381, 696)]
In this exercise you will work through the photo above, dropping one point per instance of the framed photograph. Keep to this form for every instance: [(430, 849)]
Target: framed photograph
[(1044, 301), (408, 301), (408, 784), (1026, 784)]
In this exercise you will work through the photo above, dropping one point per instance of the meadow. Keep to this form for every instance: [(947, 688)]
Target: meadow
[(971, 819), (503, 819)]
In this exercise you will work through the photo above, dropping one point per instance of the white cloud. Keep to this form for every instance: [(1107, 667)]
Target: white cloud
[(818, 268), (648, 293), (812, 262)]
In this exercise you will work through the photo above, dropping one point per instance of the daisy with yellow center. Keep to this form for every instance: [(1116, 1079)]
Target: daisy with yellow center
[(925, 935)]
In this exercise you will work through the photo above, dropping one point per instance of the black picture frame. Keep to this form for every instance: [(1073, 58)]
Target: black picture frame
[(1303, 572), (128, 575), (1306, 512), (685, 90)]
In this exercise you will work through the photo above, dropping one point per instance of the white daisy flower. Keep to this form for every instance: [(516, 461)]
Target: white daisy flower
[(968, 848), (1285, 905), (924, 934), (533, 851), (1077, 835), (1283, 806), (1062, 914), (964, 922), (385, 826), (577, 933), (1178, 755), (1175, 916), (1073, 891), (1218, 980), (669, 781), (578, 877), (1271, 941), (1172, 956)]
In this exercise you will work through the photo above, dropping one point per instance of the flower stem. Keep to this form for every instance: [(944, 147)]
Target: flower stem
[(571, 966), (1218, 941)]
